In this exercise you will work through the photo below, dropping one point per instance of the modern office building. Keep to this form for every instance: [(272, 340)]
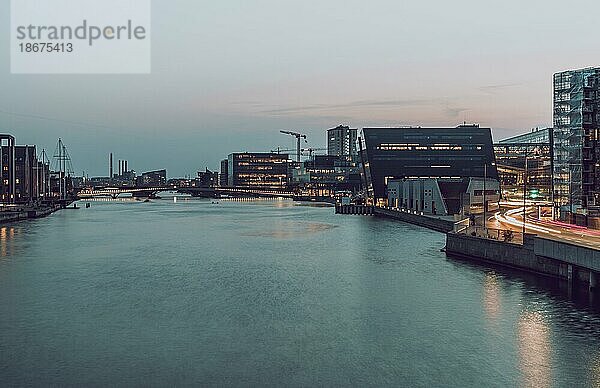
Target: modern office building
[(257, 170), (341, 142), (465, 151), (525, 163), (328, 175), (576, 135)]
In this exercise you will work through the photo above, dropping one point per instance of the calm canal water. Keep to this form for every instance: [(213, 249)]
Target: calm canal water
[(271, 293)]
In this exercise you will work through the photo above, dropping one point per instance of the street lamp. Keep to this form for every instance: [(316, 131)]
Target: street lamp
[(485, 197), (525, 196)]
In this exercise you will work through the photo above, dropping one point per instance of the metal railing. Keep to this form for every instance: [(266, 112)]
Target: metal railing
[(503, 235)]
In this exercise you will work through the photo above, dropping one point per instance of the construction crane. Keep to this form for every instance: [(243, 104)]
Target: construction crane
[(298, 137)]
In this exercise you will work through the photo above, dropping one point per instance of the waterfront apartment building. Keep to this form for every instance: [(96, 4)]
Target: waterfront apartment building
[(525, 162), (156, 178), (7, 160), (341, 142), (224, 175), (25, 179), (26, 174), (465, 151), (257, 170), (576, 139)]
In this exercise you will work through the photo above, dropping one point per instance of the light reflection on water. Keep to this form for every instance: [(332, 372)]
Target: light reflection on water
[(535, 350), (491, 296), (7, 237)]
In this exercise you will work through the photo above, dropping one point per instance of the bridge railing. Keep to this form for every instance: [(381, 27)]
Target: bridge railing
[(503, 235)]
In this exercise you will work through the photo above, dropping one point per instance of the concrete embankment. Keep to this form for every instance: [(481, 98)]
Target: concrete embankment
[(27, 213), (578, 265), (12, 216)]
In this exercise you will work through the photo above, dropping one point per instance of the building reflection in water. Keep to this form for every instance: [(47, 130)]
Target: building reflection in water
[(491, 296), (535, 352), (7, 237)]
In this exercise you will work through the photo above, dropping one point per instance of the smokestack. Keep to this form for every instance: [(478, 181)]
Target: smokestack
[(126, 169), (110, 167), (120, 167)]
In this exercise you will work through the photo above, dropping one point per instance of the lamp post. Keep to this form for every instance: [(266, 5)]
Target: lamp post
[(485, 197), (525, 195)]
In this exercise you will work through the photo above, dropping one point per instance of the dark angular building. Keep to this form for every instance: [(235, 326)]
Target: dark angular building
[(414, 152)]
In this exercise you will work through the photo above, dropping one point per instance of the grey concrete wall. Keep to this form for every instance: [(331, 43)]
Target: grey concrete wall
[(512, 255), (570, 253)]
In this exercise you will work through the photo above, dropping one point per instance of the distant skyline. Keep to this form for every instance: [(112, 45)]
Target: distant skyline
[(227, 76)]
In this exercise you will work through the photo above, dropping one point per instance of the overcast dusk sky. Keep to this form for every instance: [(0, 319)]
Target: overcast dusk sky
[(228, 75)]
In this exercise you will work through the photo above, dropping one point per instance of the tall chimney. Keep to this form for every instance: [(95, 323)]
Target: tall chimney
[(126, 169), (110, 167)]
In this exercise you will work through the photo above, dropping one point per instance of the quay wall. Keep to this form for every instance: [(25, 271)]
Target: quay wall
[(577, 255), (10, 216), (507, 254), (575, 264), (30, 213)]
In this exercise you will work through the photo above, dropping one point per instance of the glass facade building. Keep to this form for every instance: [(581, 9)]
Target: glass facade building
[(576, 153), (526, 161)]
